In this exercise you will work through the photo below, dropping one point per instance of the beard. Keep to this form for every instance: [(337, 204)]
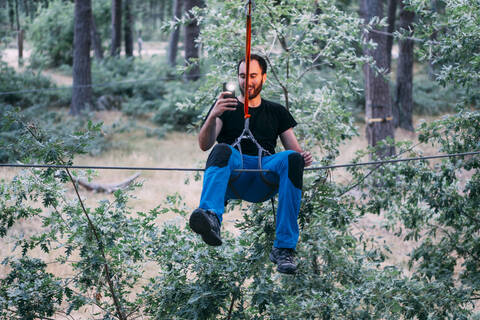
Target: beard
[(256, 91)]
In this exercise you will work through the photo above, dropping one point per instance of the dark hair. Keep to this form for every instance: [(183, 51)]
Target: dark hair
[(261, 61)]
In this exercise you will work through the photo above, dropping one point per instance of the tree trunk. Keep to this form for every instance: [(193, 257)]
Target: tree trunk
[(174, 36), (433, 37), (26, 7), (392, 11), (20, 34), (82, 78), (96, 41), (404, 96), (192, 31), (11, 13), (161, 11), (17, 15), (378, 109), (116, 27), (128, 29), (152, 14)]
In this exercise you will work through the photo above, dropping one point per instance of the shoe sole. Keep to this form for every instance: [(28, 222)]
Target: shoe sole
[(200, 224), (280, 269)]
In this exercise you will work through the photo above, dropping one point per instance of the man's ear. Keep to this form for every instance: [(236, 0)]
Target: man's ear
[(264, 78)]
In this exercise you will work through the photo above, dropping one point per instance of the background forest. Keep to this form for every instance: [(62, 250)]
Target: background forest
[(127, 83)]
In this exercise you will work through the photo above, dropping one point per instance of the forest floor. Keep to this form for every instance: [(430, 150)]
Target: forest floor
[(180, 149)]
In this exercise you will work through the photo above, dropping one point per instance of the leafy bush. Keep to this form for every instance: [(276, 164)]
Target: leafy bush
[(59, 125), (153, 93), (51, 34), (172, 109), (29, 291), (128, 78), (32, 84), (340, 276), (437, 205), (431, 98)]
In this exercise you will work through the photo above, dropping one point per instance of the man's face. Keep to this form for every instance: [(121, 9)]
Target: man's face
[(256, 81)]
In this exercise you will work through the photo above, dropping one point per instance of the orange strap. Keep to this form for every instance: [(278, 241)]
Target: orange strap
[(247, 56)]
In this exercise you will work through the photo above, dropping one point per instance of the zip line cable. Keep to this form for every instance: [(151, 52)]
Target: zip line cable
[(346, 165)]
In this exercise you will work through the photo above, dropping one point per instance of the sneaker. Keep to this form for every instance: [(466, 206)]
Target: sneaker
[(284, 258), (206, 224)]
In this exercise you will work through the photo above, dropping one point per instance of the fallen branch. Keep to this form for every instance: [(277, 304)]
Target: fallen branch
[(105, 187)]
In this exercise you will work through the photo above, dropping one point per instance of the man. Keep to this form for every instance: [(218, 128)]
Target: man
[(224, 124)]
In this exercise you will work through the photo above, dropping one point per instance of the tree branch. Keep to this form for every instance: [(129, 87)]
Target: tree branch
[(108, 277), (230, 310), (284, 88), (108, 187)]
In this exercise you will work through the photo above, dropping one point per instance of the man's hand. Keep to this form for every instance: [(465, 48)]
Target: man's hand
[(307, 157), (223, 104)]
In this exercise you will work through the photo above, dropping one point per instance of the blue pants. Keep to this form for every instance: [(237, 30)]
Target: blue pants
[(286, 171)]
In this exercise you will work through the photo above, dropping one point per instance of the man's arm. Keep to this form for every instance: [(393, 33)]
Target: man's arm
[(213, 125), (209, 132), (290, 142)]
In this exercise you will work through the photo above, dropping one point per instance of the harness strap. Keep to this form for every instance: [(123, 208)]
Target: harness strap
[(248, 12)]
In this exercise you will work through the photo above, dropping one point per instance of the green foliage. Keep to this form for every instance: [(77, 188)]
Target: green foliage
[(437, 206), (102, 12), (28, 290), (299, 45), (171, 110), (154, 93), (61, 128), (145, 78), (342, 275), (30, 82), (431, 98), (450, 39), (51, 34)]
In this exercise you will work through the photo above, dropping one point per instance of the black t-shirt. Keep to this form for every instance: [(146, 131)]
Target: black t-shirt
[(267, 122)]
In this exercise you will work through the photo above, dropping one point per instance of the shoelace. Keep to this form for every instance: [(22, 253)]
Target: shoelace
[(286, 255)]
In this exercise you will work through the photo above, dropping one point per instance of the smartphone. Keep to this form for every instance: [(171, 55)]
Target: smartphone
[(229, 88)]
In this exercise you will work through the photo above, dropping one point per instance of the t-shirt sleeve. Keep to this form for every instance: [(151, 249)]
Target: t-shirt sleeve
[(286, 120)]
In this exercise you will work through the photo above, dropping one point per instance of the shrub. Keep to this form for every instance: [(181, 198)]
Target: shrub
[(431, 98), (29, 81), (171, 109), (59, 125), (29, 290), (51, 34), (129, 77)]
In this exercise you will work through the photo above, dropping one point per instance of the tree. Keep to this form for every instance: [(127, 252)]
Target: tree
[(19, 35), (404, 86), (391, 17), (128, 26), (96, 40), (82, 78), (175, 34), (378, 108), (116, 28), (192, 50), (11, 13)]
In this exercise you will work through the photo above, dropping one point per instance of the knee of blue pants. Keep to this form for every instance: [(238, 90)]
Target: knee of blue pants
[(296, 164), (288, 162), (219, 156)]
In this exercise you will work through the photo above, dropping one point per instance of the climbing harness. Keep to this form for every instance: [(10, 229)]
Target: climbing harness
[(246, 133)]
